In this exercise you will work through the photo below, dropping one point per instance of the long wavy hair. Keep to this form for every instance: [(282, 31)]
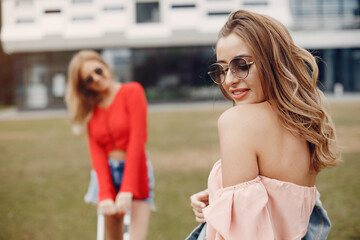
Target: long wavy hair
[(80, 100), (289, 76)]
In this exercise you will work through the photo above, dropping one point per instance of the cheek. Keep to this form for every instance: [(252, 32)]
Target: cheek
[(81, 75), (224, 87), (107, 77), (257, 80), (261, 89), (225, 91)]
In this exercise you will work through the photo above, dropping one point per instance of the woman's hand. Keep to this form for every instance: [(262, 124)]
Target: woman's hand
[(107, 207), (198, 202), (123, 202)]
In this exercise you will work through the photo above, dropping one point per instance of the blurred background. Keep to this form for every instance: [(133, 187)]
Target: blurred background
[(166, 45)]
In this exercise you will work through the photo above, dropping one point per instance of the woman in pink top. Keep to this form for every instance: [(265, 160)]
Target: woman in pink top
[(273, 141)]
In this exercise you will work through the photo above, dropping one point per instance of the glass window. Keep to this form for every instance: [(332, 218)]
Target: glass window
[(255, 3), (41, 79), (352, 6), (171, 73), (58, 84), (183, 6), (52, 11), (147, 12), (219, 13), (332, 7)]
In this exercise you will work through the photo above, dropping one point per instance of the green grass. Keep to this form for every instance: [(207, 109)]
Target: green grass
[(44, 172), (340, 194), (3, 107)]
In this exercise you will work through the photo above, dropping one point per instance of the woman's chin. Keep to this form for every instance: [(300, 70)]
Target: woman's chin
[(103, 88)]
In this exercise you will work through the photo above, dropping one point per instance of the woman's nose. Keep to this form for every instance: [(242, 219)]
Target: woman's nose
[(230, 78), (95, 77)]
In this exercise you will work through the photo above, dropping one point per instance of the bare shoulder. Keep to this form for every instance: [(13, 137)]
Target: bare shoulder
[(253, 116), (240, 129)]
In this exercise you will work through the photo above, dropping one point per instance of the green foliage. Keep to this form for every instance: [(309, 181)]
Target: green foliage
[(7, 93), (6, 81)]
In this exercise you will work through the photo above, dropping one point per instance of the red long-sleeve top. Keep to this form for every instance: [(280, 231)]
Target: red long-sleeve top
[(122, 126)]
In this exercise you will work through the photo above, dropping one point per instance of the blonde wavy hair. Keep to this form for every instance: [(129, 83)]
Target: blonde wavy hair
[(288, 75), (80, 100)]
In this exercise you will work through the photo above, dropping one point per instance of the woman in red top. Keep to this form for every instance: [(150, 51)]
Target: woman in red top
[(115, 116)]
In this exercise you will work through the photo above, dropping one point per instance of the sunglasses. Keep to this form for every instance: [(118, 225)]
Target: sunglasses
[(89, 80), (239, 67)]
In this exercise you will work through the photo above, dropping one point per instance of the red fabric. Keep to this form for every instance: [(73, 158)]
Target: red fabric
[(123, 126)]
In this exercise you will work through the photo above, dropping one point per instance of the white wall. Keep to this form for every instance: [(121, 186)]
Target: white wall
[(101, 24)]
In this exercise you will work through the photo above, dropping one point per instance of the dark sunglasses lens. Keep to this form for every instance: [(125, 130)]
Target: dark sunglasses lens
[(99, 71), (239, 68), (89, 80), (216, 73)]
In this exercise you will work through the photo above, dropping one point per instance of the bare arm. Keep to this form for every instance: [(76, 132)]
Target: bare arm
[(238, 135)]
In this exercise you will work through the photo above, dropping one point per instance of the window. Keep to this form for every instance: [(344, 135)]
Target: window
[(58, 84), (147, 12), (219, 13), (52, 11), (329, 14), (255, 3), (113, 8), (177, 6)]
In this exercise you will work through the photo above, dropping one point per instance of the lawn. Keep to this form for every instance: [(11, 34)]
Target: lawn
[(45, 171)]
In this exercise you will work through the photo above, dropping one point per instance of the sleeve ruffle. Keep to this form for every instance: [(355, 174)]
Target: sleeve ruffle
[(240, 212), (262, 208)]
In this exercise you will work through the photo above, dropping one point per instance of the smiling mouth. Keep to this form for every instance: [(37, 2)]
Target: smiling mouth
[(239, 92)]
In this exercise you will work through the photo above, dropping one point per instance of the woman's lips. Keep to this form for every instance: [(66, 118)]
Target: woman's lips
[(238, 94)]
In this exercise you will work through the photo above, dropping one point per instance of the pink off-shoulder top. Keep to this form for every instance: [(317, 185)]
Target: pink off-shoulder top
[(262, 208)]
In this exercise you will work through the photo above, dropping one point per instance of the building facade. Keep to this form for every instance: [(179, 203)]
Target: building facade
[(166, 45)]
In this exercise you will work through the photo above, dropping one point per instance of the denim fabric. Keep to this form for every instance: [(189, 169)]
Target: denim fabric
[(319, 225), (198, 233), (91, 195), (318, 228), (117, 171)]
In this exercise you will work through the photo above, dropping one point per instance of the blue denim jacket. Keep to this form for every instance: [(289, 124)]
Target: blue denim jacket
[(319, 225)]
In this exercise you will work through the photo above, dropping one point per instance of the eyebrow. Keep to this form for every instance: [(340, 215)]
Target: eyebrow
[(242, 56)]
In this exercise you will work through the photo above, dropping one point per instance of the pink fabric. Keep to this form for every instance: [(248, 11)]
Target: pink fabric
[(262, 208)]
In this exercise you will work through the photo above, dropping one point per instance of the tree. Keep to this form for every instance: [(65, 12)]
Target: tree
[(6, 81)]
